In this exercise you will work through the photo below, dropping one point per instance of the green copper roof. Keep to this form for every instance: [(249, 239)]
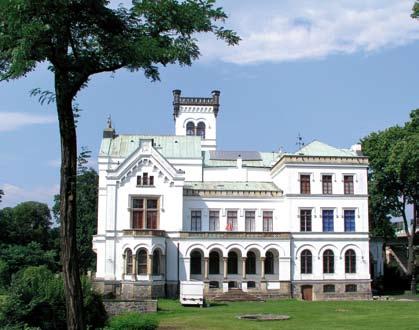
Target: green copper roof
[(169, 146), (231, 186), (317, 148), (267, 160)]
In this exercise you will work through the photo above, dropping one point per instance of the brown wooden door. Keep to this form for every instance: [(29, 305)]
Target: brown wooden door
[(307, 292)]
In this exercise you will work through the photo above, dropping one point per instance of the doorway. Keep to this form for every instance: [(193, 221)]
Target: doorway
[(307, 292)]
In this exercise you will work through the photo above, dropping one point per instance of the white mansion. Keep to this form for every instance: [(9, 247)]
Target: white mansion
[(174, 208)]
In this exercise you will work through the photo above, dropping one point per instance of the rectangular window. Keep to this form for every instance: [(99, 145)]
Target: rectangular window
[(267, 221), (214, 220), (328, 288), (151, 180), (145, 180), (305, 183), (348, 184), (139, 182), (195, 220), (327, 184), (327, 216), (231, 221), (144, 213), (349, 219), (249, 219), (305, 220), (350, 288)]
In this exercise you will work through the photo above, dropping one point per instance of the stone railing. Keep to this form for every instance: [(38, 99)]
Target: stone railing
[(234, 234), (144, 232)]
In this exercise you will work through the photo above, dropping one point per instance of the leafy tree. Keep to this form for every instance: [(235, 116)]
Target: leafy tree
[(82, 38), (1, 194), (394, 177)]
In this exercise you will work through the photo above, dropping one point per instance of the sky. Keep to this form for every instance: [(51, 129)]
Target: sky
[(328, 70)]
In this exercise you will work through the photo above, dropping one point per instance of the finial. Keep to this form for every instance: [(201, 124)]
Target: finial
[(109, 121), (300, 142)]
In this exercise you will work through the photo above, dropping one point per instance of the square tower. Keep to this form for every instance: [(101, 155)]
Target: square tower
[(197, 116)]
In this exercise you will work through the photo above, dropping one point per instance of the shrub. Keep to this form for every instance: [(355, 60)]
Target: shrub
[(133, 321), (36, 299)]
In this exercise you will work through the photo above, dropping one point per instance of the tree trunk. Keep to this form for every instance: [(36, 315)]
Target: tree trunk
[(411, 257), (72, 285)]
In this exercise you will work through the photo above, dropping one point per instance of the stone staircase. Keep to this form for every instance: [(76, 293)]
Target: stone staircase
[(235, 295)]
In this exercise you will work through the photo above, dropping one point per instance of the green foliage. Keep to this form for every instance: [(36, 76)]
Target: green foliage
[(133, 321), (1, 194), (36, 299), (87, 196)]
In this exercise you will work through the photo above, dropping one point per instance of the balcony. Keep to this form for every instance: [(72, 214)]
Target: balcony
[(144, 232), (234, 234)]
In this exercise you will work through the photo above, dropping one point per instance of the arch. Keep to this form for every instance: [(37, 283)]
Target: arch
[(331, 247), (200, 129), (350, 261), (142, 255), (232, 263), (280, 250), (142, 246), (354, 247), (236, 246), (128, 261), (309, 247), (218, 246), (200, 247), (196, 262), (306, 262), (251, 263), (254, 246), (328, 262), (214, 262), (158, 247), (190, 128)]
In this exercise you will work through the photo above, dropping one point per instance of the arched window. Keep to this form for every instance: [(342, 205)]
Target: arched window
[(142, 262), (190, 128), (232, 263), (328, 262), (251, 263), (128, 261), (200, 129), (306, 262), (269, 263), (214, 263), (156, 262), (196, 263), (350, 261)]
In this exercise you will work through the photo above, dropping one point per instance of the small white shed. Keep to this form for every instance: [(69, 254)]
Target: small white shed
[(192, 293)]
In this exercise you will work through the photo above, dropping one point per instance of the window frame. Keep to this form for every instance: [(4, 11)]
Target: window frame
[(348, 186), (196, 220), (329, 226), (142, 263), (216, 224), (350, 262), (306, 262), (327, 187), (268, 221), (233, 221), (249, 221), (305, 186), (328, 262), (306, 224), (145, 210), (349, 227)]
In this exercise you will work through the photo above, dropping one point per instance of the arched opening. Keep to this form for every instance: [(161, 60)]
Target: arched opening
[(232, 263), (328, 262), (306, 260), (200, 129), (269, 263), (196, 262), (128, 261), (156, 262), (251, 263), (214, 263), (190, 128), (350, 261), (142, 262)]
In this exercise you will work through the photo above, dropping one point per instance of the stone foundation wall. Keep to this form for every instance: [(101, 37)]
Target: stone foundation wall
[(363, 290), (128, 290), (116, 307)]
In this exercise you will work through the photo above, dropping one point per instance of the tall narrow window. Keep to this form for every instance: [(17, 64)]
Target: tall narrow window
[(139, 180), (327, 216), (350, 261), (151, 180), (249, 219), (306, 260), (196, 263), (328, 262), (349, 220), (152, 213), (190, 128), (267, 221), (200, 130), (142, 262), (214, 220), (232, 263), (327, 184), (214, 262), (305, 184), (231, 221), (348, 184), (251, 263), (156, 262), (145, 179), (269, 263), (305, 220), (195, 220), (128, 261)]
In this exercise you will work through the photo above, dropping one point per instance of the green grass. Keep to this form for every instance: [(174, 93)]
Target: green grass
[(320, 315)]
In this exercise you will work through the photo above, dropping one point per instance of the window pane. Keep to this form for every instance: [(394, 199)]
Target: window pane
[(306, 262), (137, 220), (214, 220), (196, 220), (145, 179), (152, 219), (327, 216), (305, 184), (250, 221), (142, 262), (151, 203), (305, 220), (231, 221), (137, 203), (349, 219), (348, 183), (267, 221), (327, 184), (328, 262)]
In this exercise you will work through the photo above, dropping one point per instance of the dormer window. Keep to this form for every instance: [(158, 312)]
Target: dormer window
[(190, 128), (145, 180), (200, 130)]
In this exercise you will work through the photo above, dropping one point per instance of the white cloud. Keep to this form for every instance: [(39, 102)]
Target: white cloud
[(288, 31), (10, 121), (14, 195)]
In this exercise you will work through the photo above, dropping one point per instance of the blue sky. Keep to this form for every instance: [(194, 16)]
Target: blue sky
[(332, 71)]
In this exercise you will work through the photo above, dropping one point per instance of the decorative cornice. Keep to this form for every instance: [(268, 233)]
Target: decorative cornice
[(231, 193)]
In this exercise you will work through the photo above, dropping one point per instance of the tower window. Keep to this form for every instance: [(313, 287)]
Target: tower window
[(190, 128), (200, 129)]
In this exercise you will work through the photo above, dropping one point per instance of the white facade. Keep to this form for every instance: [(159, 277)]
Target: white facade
[(175, 208)]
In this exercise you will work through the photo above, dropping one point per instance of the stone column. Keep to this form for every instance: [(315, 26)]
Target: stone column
[(262, 267), (244, 267), (206, 268), (149, 265), (225, 267), (163, 265), (124, 265), (134, 265)]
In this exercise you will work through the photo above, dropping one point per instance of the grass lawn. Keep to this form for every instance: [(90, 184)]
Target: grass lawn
[(304, 315)]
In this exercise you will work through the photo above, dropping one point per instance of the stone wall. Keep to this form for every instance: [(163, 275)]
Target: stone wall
[(363, 290), (116, 307)]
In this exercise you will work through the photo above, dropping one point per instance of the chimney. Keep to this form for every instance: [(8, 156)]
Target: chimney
[(109, 132), (176, 102)]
